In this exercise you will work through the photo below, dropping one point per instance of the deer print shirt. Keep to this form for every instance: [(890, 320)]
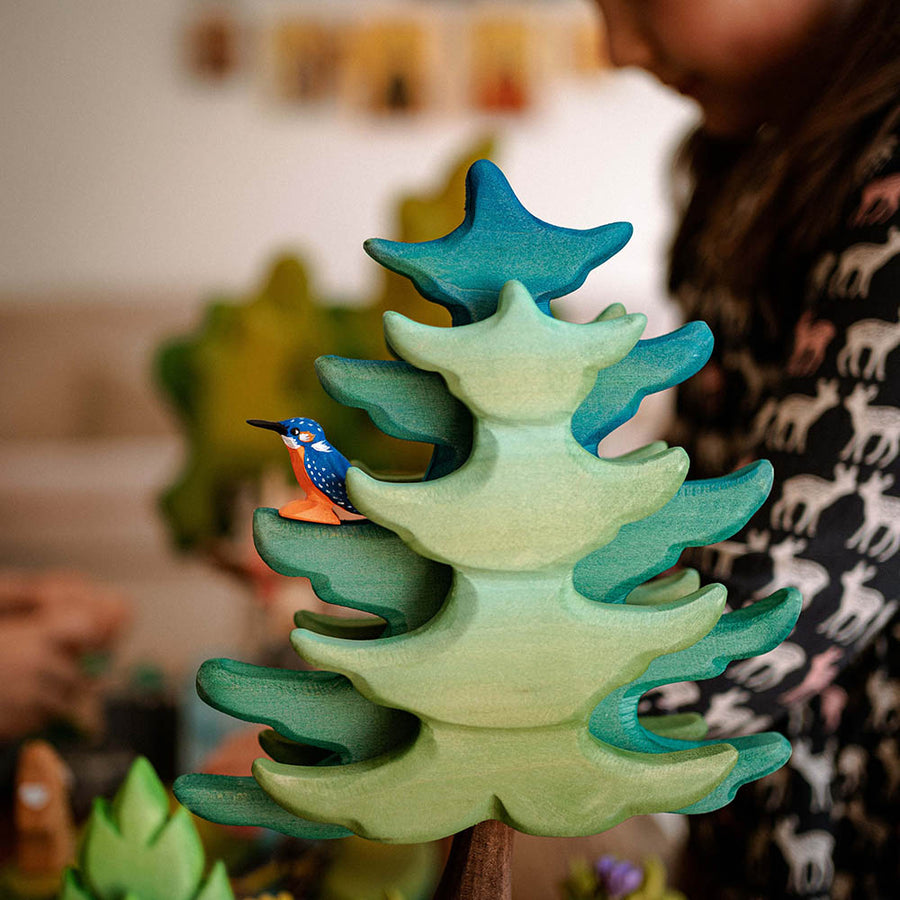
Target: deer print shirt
[(821, 400)]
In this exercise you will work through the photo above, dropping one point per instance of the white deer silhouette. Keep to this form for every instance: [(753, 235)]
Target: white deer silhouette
[(726, 552), (817, 769), (859, 263), (798, 412), (788, 569), (881, 513), (859, 606), (877, 336), (808, 856), (814, 495), (881, 422), (878, 623), (760, 673), (726, 715), (670, 697)]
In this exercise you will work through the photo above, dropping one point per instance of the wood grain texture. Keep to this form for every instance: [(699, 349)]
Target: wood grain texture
[(524, 667), (499, 240), (479, 866)]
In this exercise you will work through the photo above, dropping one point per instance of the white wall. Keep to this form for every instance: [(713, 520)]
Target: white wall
[(118, 172)]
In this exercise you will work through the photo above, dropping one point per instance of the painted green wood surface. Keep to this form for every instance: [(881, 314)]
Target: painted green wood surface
[(232, 800), (321, 709), (515, 657), (703, 512), (134, 847), (499, 241), (523, 686), (405, 403), (551, 781), (412, 405), (356, 628), (750, 631), (361, 565), (654, 365)]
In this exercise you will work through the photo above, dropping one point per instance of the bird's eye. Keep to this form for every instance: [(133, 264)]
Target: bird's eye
[(295, 432)]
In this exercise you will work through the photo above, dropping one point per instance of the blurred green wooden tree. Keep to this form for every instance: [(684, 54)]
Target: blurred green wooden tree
[(252, 357)]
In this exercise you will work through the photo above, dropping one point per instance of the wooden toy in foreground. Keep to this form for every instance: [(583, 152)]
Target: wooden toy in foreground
[(44, 827), (520, 630), (134, 848)]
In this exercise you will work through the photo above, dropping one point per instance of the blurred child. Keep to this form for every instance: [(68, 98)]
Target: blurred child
[(789, 247)]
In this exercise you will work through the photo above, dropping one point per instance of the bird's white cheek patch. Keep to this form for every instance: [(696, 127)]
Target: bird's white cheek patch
[(322, 446)]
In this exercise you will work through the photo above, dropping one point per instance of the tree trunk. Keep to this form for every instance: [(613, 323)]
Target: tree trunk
[(480, 864)]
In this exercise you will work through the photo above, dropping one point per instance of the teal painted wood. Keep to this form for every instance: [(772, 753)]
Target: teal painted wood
[(505, 675), (654, 365), (498, 241), (702, 512), (683, 726), (758, 755), (280, 748), (744, 633), (356, 628), (412, 405), (239, 800), (496, 671), (405, 403), (359, 565), (321, 709), (665, 589)]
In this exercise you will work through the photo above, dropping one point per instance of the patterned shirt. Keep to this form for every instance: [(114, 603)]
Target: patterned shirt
[(818, 395)]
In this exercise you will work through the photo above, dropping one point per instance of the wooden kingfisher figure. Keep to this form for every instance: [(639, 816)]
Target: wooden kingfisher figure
[(320, 470)]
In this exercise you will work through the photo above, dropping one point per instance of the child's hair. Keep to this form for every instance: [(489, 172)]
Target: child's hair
[(758, 205)]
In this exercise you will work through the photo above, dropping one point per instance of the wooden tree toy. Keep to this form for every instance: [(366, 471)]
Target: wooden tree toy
[(518, 629), (134, 849)]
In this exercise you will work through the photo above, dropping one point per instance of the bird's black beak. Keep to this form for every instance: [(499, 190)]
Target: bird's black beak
[(272, 426)]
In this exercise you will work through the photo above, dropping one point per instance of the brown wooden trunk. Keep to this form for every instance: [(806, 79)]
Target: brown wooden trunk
[(480, 864)]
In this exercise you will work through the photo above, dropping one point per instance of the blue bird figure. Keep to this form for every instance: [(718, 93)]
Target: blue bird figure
[(320, 470)]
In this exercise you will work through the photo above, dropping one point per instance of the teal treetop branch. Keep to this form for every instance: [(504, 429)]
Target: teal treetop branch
[(518, 625)]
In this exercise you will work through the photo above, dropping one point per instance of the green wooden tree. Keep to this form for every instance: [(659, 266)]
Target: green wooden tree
[(134, 849), (517, 627)]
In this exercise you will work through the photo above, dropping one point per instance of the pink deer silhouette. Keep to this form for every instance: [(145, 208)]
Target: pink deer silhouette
[(880, 200), (811, 340)]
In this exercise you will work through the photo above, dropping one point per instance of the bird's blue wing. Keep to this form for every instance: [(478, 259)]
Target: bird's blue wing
[(336, 465)]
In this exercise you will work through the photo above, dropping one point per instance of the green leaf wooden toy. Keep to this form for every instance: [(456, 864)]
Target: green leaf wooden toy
[(517, 630), (253, 355), (133, 849)]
